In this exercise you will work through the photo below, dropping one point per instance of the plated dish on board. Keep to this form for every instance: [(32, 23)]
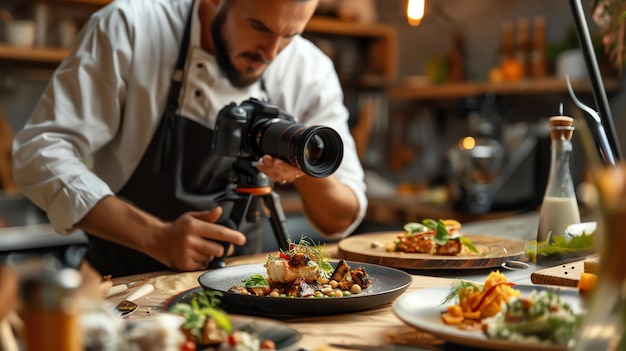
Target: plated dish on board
[(491, 252), (285, 338), (386, 285), (423, 309)]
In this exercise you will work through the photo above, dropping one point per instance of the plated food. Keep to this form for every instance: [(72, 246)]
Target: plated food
[(545, 316), (433, 237), (304, 271), (209, 327), (401, 249), (475, 302), (387, 285), (539, 318)]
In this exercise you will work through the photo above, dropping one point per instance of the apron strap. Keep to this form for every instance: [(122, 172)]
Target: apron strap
[(179, 71)]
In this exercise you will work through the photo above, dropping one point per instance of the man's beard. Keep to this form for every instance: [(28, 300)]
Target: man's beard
[(236, 78)]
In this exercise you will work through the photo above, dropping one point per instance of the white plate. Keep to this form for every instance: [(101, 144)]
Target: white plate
[(422, 309)]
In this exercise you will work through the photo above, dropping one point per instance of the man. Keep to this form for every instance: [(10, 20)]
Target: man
[(145, 116)]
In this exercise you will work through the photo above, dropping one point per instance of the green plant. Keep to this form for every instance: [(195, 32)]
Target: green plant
[(610, 16)]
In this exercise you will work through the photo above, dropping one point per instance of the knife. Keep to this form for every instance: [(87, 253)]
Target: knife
[(116, 289), (127, 307)]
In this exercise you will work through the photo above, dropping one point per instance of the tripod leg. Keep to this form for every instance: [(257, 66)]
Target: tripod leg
[(277, 219)]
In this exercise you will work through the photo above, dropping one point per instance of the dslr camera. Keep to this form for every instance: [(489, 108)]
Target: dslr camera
[(255, 128)]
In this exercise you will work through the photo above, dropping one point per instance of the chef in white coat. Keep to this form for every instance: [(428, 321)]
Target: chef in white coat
[(138, 98)]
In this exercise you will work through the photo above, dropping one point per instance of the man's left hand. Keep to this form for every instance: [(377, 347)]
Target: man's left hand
[(278, 170)]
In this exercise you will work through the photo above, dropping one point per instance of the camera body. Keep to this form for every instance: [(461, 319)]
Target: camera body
[(255, 128)]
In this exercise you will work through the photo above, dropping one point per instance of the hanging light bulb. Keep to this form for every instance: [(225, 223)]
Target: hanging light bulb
[(415, 12)]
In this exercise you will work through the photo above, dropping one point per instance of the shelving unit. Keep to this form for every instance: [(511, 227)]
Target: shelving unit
[(553, 85), (378, 47), (378, 44)]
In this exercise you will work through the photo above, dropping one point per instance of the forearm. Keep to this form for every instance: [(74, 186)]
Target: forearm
[(329, 204), (117, 220)]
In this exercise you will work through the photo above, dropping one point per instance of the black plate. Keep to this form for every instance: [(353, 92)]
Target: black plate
[(285, 338), (387, 285)]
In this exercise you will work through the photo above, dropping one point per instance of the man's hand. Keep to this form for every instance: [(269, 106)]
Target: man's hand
[(193, 240), (186, 244), (278, 170)]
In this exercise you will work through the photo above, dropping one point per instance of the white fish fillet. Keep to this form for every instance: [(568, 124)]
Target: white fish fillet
[(280, 271)]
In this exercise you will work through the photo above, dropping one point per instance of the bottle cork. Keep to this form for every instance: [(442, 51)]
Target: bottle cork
[(561, 127)]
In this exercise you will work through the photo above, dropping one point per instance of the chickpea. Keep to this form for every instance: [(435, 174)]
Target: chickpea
[(338, 293), (274, 294), (333, 284), (355, 289)]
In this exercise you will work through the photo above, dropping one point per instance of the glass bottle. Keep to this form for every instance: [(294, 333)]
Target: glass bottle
[(538, 60), (51, 310), (559, 208), (604, 324)]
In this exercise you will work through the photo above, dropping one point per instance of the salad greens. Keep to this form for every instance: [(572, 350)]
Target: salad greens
[(540, 317), (554, 245)]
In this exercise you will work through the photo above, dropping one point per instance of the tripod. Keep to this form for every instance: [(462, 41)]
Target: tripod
[(252, 185)]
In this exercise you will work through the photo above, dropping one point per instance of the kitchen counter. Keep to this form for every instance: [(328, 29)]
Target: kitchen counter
[(36, 236)]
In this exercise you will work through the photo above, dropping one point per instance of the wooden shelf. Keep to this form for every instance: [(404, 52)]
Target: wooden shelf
[(32, 54), (327, 25), (473, 89), (378, 48), (381, 48)]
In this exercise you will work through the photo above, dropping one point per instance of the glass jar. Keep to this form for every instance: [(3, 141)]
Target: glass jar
[(604, 325)]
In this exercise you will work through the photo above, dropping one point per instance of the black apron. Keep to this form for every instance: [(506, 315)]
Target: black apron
[(179, 172)]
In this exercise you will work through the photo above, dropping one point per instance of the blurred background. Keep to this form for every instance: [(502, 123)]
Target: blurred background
[(449, 112)]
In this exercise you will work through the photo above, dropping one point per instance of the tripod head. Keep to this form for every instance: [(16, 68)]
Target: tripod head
[(252, 185)]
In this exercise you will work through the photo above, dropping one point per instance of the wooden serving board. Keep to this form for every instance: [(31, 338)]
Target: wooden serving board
[(370, 248), (567, 274)]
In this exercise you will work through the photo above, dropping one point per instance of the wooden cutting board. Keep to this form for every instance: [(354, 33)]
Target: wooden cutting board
[(370, 248), (566, 274)]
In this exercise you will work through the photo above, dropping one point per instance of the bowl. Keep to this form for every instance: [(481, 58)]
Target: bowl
[(578, 229), (21, 33)]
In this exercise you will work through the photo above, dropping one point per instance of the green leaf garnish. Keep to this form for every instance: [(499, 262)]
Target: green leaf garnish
[(441, 234), (431, 223), (256, 281), (414, 227), (468, 243)]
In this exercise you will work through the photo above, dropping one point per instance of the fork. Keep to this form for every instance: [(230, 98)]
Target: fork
[(603, 142), (126, 307)]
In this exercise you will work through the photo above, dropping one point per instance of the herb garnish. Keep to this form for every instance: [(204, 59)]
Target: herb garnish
[(203, 306)]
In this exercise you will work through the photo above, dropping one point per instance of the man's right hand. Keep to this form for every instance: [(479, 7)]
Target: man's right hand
[(187, 244), (194, 240)]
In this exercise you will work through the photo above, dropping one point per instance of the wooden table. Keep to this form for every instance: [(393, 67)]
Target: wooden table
[(372, 327)]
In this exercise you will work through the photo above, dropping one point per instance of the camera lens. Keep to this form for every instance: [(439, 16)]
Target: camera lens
[(316, 150)]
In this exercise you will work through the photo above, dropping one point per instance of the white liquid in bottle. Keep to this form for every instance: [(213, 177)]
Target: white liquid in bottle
[(560, 207), (556, 214)]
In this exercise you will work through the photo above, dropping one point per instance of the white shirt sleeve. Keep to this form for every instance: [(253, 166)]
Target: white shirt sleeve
[(78, 113), (303, 82)]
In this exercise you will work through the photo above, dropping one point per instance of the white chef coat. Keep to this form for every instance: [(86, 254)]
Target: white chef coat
[(106, 99)]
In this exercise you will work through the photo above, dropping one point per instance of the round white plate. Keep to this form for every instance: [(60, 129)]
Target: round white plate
[(422, 309)]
